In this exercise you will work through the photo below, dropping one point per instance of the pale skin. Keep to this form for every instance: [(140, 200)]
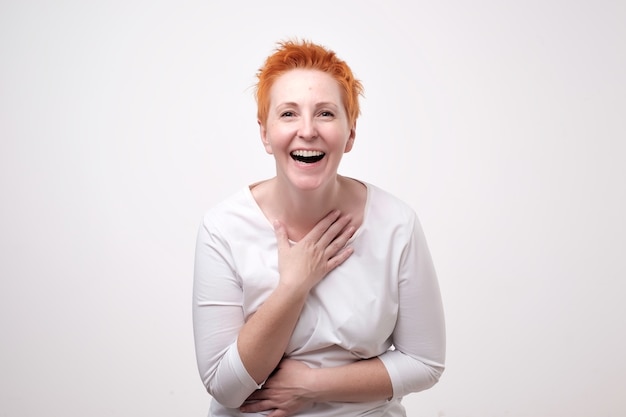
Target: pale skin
[(319, 210)]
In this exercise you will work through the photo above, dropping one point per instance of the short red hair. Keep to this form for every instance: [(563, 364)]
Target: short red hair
[(307, 55)]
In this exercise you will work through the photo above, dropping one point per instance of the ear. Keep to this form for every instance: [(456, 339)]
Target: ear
[(264, 139), (350, 142)]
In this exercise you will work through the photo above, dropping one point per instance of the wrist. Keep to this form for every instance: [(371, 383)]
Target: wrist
[(294, 291), (315, 385)]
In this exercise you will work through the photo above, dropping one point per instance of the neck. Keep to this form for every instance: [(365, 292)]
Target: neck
[(301, 210)]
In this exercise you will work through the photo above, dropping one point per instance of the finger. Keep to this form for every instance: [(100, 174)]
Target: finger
[(257, 406), (339, 258), (334, 231), (336, 239), (257, 396), (278, 413), (322, 226), (340, 241)]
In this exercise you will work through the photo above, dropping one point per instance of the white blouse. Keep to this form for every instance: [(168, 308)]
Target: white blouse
[(383, 301)]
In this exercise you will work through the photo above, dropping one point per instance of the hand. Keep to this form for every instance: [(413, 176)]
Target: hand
[(284, 392), (319, 252)]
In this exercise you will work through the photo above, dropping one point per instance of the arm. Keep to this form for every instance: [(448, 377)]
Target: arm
[(416, 363), (263, 339), (294, 386), (419, 338), (236, 357), (217, 317)]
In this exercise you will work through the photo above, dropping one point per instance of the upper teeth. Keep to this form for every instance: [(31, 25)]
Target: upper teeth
[(307, 154)]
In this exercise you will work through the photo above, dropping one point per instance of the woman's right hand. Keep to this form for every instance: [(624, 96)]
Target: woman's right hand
[(264, 337), (306, 262)]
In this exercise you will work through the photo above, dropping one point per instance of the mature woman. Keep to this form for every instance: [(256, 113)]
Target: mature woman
[(314, 293)]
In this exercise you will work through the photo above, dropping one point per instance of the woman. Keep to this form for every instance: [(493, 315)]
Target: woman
[(314, 293)]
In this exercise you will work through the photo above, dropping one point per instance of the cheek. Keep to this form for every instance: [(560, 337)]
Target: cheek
[(279, 135)]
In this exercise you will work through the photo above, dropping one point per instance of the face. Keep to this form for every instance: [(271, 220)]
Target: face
[(307, 128)]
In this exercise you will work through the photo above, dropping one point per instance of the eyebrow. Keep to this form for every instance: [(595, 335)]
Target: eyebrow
[(294, 104), (327, 103)]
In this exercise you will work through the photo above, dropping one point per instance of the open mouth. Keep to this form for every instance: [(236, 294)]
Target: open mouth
[(307, 157)]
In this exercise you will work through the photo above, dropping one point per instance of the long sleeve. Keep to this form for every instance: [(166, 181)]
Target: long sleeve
[(217, 317), (419, 336), (382, 302)]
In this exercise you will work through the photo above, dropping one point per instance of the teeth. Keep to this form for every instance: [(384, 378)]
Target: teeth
[(307, 154)]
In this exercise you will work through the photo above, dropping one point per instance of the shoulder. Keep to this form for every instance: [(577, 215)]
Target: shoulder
[(236, 206), (384, 203), (237, 219), (227, 203)]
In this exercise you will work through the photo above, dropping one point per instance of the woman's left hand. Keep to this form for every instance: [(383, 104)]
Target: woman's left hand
[(284, 392)]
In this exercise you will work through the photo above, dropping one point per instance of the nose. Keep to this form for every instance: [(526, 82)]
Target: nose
[(307, 128)]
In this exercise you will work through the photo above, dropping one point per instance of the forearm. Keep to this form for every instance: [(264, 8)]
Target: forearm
[(294, 386), (263, 339), (361, 381)]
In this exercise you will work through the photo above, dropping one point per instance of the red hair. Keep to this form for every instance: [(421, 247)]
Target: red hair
[(307, 55)]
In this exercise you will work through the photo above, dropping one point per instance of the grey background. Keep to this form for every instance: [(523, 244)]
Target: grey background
[(501, 122)]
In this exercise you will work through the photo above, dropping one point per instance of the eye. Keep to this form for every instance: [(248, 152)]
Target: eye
[(286, 114), (326, 113)]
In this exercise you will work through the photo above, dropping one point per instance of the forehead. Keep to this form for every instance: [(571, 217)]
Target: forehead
[(305, 83)]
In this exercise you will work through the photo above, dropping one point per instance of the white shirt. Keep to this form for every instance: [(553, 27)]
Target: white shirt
[(383, 301)]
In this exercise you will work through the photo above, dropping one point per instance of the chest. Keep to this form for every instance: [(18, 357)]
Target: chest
[(354, 307)]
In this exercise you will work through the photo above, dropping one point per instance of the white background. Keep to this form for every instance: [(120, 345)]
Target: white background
[(501, 122)]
